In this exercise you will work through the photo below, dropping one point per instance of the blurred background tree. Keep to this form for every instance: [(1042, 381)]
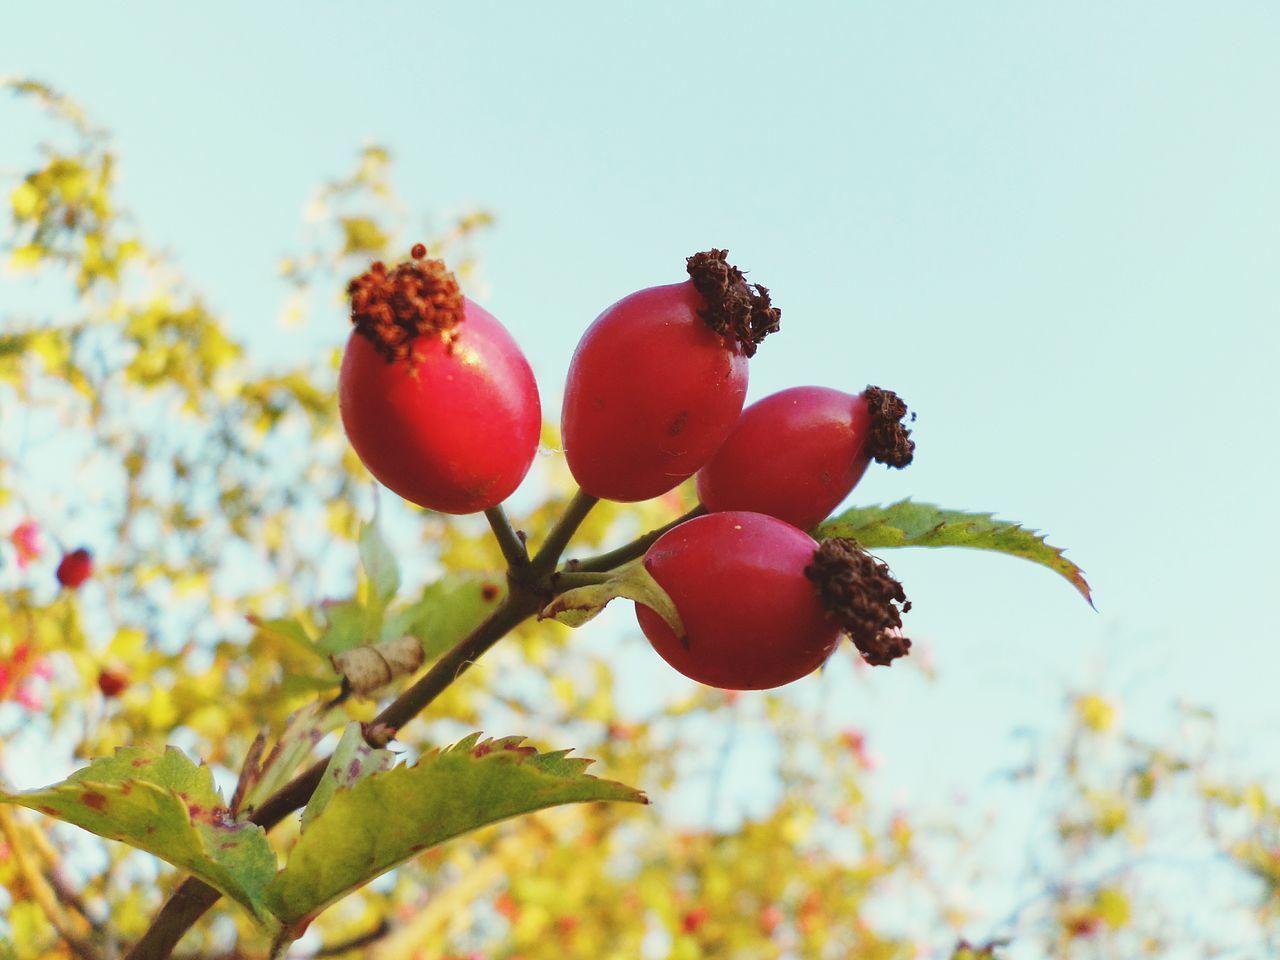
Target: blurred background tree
[(223, 511)]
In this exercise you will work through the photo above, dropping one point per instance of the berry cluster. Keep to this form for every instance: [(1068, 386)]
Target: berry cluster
[(441, 406)]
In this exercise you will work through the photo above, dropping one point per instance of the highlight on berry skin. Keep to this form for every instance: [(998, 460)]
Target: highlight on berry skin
[(436, 397), (658, 379)]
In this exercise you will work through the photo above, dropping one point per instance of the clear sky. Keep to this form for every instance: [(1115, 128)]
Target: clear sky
[(1053, 228)]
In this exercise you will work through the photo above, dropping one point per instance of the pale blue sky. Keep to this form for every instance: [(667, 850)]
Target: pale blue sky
[(1054, 228)]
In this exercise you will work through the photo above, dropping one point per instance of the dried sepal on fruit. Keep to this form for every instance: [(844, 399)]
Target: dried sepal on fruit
[(862, 596)]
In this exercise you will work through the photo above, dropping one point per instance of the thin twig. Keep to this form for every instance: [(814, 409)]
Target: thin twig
[(509, 540), (193, 897), (41, 892), (58, 880), (558, 538), (568, 579), (531, 587), (628, 552), (355, 943)]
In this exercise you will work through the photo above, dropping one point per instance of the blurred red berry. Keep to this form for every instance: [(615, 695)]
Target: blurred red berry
[(112, 684), (75, 568), (568, 923), (694, 919), (770, 917)]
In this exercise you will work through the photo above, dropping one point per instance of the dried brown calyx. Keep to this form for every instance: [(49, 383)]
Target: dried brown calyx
[(735, 308), (415, 298), (862, 596), (890, 441)]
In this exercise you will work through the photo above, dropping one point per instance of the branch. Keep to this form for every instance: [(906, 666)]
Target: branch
[(549, 553), (509, 539), (41, 892), (568, 579), (193, 897), (355, 943), (57, 879), (629, 552)]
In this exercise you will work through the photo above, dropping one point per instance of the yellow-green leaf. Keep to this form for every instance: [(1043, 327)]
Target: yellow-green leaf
[(910, 524)]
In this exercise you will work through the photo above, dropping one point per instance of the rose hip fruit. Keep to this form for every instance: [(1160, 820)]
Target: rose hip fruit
[(659, 378), (796, 454), (112, 684), (764, 604), (75, 568), (436, 397)]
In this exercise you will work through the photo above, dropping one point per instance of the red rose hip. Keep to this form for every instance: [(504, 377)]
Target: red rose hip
[(658, 380), (111, 683), (75, 568), (797, 454), (436, 397), (763, 603)]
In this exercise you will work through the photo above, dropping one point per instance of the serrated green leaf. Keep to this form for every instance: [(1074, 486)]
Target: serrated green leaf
[(165, 804), (352, 761), (910, 524), (387, 818), (303, 730)]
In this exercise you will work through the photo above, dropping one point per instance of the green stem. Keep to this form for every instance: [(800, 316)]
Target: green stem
[(568, 579), (511, 543), (548, 554), (629, 552), (280, 945)]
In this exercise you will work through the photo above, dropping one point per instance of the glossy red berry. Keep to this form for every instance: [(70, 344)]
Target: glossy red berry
[(797, 454), (435, 395), (659, 378), (112, 684), (752, 619), (762, 603), (75, 568)]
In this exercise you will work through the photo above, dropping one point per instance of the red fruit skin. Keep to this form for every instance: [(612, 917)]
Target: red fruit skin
[(651, 394), (794, 455), (75, 568), (753, 619), (451, 428)]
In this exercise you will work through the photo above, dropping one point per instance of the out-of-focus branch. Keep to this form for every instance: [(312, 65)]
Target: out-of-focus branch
[(41, 892)]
